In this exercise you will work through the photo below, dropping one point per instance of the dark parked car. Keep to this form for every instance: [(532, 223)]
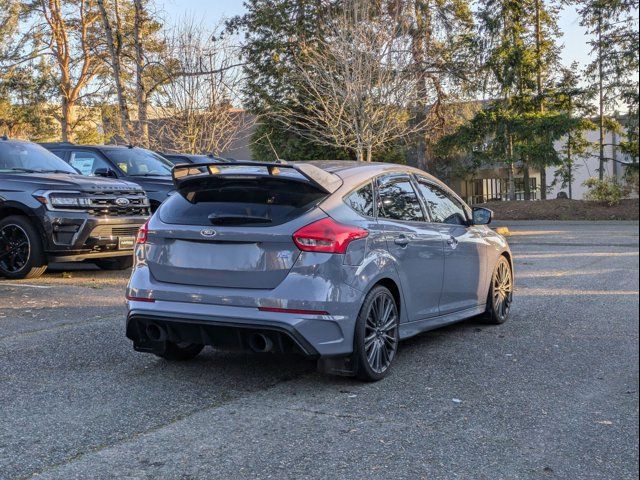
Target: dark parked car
[(144, 167), (178, 158), (51, 213), (335, 260)]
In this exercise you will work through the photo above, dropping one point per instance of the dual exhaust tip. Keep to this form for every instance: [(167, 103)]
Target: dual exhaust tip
[(258, 342)]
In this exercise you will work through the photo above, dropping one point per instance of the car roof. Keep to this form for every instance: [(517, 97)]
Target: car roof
[(350, 169), (79, 145)]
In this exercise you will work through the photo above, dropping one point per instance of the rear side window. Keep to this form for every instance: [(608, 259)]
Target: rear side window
[(87, 162), (398, 200), (138, 161), (362, 200), (442, 207), (250, 202)]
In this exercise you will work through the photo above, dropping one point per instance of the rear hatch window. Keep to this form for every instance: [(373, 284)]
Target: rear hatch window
[(240, 200)]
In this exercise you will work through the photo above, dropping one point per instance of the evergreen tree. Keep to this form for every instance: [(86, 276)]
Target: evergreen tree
[(613, 72), (516, 126), (273, 31), (442, 40), (570, 98), (24, 109)]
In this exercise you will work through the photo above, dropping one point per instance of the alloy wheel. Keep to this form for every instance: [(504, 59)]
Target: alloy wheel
[(381, 333), (502, 290), (14, 248)]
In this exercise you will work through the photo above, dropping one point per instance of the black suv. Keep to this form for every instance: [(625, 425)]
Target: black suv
[(50, 213), (144, 167)]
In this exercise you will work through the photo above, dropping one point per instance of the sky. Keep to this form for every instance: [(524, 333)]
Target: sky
[(212, 11)]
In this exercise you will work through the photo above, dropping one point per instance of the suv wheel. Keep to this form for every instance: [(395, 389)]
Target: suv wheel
[(117, 263), (21, 252), (376, 336)]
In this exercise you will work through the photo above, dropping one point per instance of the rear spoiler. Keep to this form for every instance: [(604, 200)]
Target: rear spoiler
[(322, 180)]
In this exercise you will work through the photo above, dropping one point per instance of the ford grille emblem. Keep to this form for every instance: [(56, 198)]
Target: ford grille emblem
[(207, 232), (121, 201)]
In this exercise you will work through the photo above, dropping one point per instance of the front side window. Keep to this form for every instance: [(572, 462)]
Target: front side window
[(362, 200), (397, 200), (87, 162), (442, 207), (139, 162)]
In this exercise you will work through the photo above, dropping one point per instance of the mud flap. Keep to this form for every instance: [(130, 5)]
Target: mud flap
[(342, 366)]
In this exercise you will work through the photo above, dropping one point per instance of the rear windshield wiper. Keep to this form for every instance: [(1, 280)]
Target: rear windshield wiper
[(237, 219)]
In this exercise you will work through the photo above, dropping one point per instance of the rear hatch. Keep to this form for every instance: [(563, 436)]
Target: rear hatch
[(231, 225)]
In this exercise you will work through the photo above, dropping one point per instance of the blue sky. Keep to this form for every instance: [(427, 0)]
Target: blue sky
[(574, 37)]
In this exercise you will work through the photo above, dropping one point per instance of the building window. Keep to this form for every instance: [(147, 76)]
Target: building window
[(483, 190)]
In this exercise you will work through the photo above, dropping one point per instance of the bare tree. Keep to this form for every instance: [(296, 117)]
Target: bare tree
[(71, 38), (357, 87), (114, 45), (142, 93), (198, 102)]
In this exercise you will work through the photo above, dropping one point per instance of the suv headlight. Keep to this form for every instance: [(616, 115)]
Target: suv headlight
[(62, 200)]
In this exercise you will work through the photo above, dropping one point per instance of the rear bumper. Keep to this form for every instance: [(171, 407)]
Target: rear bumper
[(224, 326), (218, 333)]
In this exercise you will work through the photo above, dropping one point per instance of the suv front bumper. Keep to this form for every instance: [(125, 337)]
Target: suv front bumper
[(74, 236)]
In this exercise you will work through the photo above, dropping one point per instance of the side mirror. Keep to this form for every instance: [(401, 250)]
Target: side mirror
[(482, 216), (104, 172)]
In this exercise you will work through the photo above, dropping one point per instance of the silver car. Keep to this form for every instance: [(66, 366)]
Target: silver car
[(335, 260)]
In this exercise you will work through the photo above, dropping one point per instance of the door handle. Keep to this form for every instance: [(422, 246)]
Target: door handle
[(452, 241), (401, 240)]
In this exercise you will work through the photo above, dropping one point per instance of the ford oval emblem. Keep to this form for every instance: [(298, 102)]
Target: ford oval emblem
[(207, 232), (122, 201)]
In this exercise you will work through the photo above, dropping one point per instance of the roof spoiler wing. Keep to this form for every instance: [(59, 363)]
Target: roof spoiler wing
[(324, 181)]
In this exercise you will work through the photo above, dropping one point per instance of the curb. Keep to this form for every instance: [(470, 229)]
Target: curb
[(504, 231)]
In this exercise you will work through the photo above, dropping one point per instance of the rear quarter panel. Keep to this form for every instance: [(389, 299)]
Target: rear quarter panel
[(378, 264)]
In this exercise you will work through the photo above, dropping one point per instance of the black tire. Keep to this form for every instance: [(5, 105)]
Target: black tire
[(21, 251), (116, 263), (376, 332), (179, 352), (500, 293)]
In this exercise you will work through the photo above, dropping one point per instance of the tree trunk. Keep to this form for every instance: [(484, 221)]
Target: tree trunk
[(569, 165), (141, 91), (543, 183), (114, 53), (66, 120), (600, 99), (421, 39), (511, 185), (543, 164), (527, 185), (368, 153)]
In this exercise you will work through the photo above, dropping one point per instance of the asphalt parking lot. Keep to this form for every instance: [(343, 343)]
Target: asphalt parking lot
[(551, 394)]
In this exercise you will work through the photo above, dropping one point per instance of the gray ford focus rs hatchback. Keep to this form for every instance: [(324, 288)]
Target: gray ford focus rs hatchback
[(335, 260)]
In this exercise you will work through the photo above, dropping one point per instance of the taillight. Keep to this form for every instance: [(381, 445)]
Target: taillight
[(327, 236), (143, 233)]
